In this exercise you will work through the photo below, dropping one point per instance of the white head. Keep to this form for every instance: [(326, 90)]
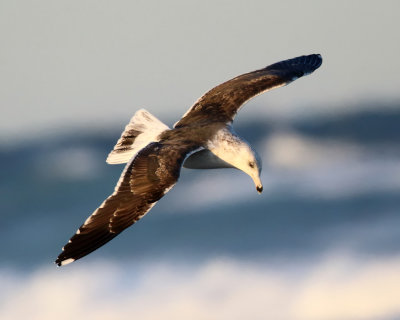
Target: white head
[(240, 155), (247, 160)]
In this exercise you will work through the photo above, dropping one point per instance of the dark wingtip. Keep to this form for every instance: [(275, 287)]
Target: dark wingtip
[(303, 64), (58, 261), (314, 60)]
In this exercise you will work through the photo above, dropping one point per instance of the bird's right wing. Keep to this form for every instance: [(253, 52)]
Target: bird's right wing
[(221, 103), (145, 180)]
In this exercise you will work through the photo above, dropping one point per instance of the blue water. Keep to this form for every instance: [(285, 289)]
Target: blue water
[(44, 200), (325, 231)]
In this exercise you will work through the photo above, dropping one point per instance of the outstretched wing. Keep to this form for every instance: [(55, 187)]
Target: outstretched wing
[(223, 102), (145, 179)]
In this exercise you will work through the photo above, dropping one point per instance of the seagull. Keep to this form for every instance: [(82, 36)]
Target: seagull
[(154, 154)]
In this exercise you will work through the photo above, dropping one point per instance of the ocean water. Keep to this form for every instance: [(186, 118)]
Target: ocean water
[(321, 242)]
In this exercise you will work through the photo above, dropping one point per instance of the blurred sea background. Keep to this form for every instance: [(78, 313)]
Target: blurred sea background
[(321, 242)]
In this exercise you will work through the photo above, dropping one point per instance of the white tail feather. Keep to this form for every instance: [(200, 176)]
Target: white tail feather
[(139, 132)]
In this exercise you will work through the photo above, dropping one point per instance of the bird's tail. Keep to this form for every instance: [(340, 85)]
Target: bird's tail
[(139, 132)]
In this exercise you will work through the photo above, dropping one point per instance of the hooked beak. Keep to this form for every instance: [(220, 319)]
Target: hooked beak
[(258, 183)]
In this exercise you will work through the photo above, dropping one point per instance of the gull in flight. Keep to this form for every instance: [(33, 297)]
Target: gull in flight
[(202, 139)]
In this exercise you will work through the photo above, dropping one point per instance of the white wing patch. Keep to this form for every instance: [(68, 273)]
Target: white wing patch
[(67, 261), (140, 131)]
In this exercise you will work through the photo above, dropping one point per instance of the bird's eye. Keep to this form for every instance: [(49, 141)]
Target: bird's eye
[(251, 164)]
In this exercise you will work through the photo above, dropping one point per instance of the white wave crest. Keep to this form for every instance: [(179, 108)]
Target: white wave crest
[(339, 287)]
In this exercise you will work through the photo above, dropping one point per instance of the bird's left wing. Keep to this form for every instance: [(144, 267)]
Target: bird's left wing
[(145, 180), (221, 103)]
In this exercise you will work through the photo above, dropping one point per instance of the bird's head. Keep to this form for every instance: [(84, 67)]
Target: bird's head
[(250, 163), (241, 156)]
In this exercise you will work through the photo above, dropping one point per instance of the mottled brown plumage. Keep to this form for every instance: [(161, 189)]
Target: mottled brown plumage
[(221, 103), (155, 169)]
